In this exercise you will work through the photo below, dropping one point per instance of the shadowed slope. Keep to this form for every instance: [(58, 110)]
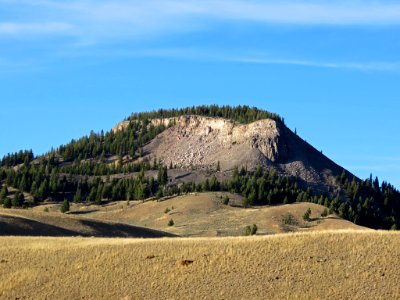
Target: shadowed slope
[(38, 224)]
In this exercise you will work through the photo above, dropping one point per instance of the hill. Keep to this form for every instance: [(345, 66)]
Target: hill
[(204, 214), (198, 214), (197, 149), (34, 223), (335, 265)]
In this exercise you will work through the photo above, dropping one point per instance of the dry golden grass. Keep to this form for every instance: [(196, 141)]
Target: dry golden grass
[(194, 215), (312, 265), (33, 222), (204, 214)]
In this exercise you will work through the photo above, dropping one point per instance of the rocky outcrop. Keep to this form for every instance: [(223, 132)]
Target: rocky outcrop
[(155, 122), (198, 142)]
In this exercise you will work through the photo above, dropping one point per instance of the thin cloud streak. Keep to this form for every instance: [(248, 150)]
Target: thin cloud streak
[(208, 55), (132, 18), (14, 28), (213, 56), (361, 66)]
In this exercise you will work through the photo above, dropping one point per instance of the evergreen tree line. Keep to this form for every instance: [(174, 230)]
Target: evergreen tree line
[(363, 202), (13, 159), (242, 114), (369, 203), (91, 168), (127, 141)]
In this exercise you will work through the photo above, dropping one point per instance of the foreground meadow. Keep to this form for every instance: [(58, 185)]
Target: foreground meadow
[(330, 264)]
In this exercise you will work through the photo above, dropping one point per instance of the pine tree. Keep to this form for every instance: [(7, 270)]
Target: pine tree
[(3, 193), (65, 206), (92, 195), (162, 176), (18, 199), (99, 194), (7, 203), (306, 216), (78, 196)]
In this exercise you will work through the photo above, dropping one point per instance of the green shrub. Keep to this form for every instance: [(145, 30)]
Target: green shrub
[(289, 219), (324, 213), (306, 216), (65, 206), (225, 201), (250, 230), (247, 202), (46, 209), (7, 203), (171, 223), (167, 210)]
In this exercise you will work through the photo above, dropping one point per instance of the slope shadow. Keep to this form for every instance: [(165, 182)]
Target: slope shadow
[(10, 225), (17, 226), (122, 230), (82, 212)]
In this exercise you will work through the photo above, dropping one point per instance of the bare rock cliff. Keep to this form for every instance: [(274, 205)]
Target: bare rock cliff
[(198, 142)]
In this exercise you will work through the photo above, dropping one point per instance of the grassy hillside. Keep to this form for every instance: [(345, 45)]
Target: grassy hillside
[(198, 214), (20, 222), (204, 214), (340, 264)]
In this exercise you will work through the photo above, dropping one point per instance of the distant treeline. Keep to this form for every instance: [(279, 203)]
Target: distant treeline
[(13, 159), (242, 114), (363, 202), (128, 141)]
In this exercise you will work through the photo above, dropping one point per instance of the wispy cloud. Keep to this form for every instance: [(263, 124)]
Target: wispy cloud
[(361, 66), (89, 23), (121, 17), (218, 56), (14, 28)]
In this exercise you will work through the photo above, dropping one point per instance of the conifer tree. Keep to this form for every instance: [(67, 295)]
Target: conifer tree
[(78, 196), (18, 199), (3, 193), (7, 203), (65, 206)]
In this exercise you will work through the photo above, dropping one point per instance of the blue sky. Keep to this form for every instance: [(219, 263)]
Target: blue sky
[(331, 68)]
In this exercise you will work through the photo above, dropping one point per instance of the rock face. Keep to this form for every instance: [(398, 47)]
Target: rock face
[(200, 143), (155, 122)]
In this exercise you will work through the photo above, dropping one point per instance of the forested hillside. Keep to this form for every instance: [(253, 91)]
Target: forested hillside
[(82, 171)]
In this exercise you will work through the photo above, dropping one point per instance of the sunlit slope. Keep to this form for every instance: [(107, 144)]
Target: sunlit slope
[(318, 265), (204, 214)]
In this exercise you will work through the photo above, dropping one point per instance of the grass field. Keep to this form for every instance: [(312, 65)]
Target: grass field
[(311, 265), (194, 215)]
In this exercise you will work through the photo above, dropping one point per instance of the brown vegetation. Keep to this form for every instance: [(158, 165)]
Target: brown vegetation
[(199, 214), (318, 265), (204, 214)]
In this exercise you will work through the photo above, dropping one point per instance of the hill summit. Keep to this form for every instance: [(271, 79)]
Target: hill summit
[(208, 143), (165, 153)]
